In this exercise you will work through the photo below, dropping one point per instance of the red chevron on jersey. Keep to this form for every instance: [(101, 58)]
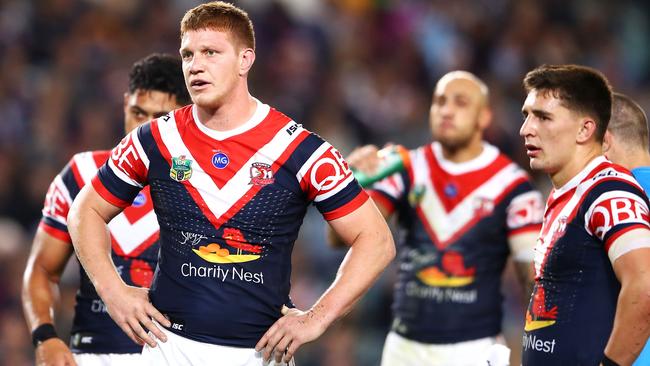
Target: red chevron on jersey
[(207, 147), (132, 231), (136, 228), (447, 212), (464, 180), (221, 191)]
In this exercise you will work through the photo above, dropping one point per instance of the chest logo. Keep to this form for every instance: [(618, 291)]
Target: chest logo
[(220, 160), (261, 174), (451, 273), (181, 169), (539, 314), (234, 250)]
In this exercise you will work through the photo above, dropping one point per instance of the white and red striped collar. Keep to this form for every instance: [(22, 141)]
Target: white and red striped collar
[(487, 156), (578, 178), (260, 114)]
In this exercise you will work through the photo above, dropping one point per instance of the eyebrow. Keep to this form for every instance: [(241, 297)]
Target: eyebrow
[(136, 108), (537, 113)]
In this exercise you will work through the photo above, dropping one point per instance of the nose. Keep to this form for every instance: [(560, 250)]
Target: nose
[(446, 109), (195, 65), (526, 128)]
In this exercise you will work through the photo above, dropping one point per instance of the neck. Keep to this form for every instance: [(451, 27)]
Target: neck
[(465, 153), (582, 158), (635, 159), (232, 112)]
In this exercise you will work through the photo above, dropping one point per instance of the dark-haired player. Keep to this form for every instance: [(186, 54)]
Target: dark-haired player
[(590, 303), (156, 86)]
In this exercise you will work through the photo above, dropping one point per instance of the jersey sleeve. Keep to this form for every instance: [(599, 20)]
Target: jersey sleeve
[(327, 180), (525, 211), (617, 207), (125, 173), (389, 191), (60, 194)]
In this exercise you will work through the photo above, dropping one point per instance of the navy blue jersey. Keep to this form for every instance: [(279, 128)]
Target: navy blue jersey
[(134, 244), (571, 313), (230, 205), (455, 221)]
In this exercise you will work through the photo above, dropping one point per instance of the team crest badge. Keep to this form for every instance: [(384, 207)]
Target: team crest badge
[(483, 206), (416, 195), (261, 174), (181, 169)]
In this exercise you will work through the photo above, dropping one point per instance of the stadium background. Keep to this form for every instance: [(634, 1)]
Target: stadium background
[(354, 71)]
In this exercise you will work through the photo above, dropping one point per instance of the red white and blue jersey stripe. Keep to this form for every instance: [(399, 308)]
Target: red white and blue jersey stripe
[(571, 313), (134, 241), (455, 220), (230, 205)]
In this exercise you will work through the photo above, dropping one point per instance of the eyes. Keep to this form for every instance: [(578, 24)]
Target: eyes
[(139, 114), (539, 115), (458, 101), (188, 55)]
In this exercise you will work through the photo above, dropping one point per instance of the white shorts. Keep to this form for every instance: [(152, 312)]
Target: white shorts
[(400, 351), (181, 351), (108, 359)]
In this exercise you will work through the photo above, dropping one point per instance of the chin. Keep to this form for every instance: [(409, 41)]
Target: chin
[(536, 164), (206, 101)]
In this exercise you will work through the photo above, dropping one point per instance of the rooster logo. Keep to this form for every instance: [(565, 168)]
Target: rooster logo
[(538, 316)]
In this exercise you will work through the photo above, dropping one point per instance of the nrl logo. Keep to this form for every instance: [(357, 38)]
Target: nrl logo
[(261, 174), (181, 169)]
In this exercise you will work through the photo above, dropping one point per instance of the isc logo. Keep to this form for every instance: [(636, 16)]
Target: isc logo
[(177, 326)]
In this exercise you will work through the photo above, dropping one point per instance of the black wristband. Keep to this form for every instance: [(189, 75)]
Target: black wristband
[(42, 333), (606, 361)]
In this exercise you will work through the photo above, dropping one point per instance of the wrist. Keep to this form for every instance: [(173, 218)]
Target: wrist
[(319, 314), (606, 361), (109, 288), (42, 333)]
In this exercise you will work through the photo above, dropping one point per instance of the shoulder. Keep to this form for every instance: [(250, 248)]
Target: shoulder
[(608, 175), (89, 161)]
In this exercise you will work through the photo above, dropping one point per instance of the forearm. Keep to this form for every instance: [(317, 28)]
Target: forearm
[(526, 276), (631, 323), (38, 295), (89, 233), (366, 259)]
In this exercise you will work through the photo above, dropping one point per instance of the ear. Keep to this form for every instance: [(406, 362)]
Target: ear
[(246, 60), (485, 118), (126, 102), (607, 142), (586, 131)]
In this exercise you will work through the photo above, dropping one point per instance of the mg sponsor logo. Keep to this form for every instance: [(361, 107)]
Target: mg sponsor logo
[(220, 160)]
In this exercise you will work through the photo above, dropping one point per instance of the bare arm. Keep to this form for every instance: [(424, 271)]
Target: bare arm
[(128, 306), (45, 265), (335, 240), (363, 159), (632, 321), (521, 247), (371, 249)]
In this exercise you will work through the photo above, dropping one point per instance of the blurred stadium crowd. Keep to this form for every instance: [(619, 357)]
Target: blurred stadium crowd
[(354, 71)]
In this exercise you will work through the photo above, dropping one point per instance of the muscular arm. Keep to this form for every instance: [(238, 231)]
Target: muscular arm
[(335, 240), (371, 249), (364, 159), (45, 265), (632, 321), (128, 306)]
